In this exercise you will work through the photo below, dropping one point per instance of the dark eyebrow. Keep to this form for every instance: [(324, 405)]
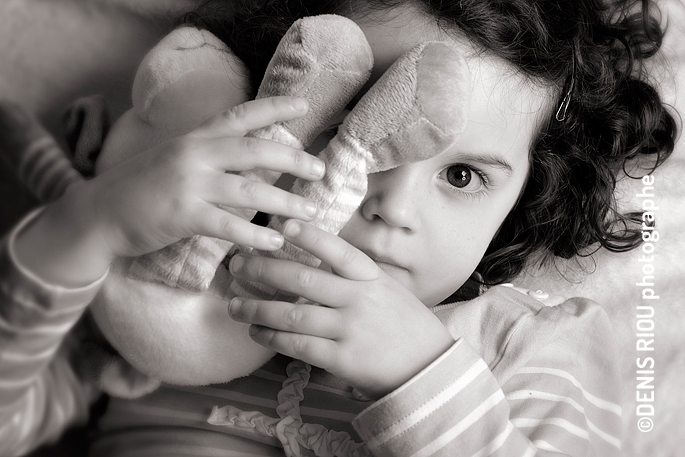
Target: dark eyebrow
[(486, 159)]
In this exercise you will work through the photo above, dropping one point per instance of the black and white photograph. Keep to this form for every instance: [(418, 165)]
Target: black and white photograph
[(342, 228)]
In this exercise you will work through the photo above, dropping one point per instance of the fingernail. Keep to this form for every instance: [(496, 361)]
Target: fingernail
[(236, 264), (310, 209), (234, 306), (277, 240), (253, 330), (300, 104), (318, 168), (291, 229)]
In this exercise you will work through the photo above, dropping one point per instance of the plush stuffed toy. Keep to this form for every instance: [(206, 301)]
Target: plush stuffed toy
[(327, 60), (170, 289), (322, 59), (150, 307)]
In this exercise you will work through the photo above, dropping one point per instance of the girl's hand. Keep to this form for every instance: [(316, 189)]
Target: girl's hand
[(173, 191), (371, 332)]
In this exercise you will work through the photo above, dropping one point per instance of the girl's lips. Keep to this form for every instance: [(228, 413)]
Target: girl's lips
[(390, 268), (384, 262)]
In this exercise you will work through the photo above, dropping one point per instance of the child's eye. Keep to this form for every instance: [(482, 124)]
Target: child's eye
[(464, 177)]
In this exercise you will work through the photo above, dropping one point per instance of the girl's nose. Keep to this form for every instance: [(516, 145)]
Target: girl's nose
[(394, 197)]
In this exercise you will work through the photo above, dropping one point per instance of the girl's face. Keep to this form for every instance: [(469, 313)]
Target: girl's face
[(428, 224)]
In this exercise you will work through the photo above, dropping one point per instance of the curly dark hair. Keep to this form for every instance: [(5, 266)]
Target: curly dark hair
[(592, 51)]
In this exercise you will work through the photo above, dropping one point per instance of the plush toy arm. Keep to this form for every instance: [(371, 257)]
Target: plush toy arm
[(325, 59), (416, 110)]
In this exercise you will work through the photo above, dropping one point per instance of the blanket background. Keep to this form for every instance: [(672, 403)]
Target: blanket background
[(53, 51)]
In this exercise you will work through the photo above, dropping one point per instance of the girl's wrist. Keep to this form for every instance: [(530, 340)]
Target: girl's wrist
[(63, 245)]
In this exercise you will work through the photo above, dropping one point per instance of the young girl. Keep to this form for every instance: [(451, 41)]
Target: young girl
[(408, 360)]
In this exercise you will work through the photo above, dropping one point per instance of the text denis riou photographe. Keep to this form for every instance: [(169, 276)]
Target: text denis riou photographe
[(646, 309)]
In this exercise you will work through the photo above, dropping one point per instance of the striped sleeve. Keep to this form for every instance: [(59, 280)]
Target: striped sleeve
[(556, 395), (40, 394)]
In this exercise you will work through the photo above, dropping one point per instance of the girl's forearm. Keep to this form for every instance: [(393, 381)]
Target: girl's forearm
[(40, 394), (61, 245)]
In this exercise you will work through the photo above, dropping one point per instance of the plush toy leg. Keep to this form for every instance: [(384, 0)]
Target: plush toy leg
[(32, 153), (325, 59), (416, 110)]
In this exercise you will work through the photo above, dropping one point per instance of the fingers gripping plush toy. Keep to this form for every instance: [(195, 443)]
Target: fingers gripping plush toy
[(323, 59), (416, 110)]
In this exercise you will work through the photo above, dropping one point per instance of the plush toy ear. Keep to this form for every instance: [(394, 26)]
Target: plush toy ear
[(188, 77)]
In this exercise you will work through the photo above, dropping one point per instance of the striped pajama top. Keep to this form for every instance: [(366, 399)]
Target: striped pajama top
[(522, 379)]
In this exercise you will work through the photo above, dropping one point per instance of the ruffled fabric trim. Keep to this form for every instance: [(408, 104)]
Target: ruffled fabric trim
[(289, 429)]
